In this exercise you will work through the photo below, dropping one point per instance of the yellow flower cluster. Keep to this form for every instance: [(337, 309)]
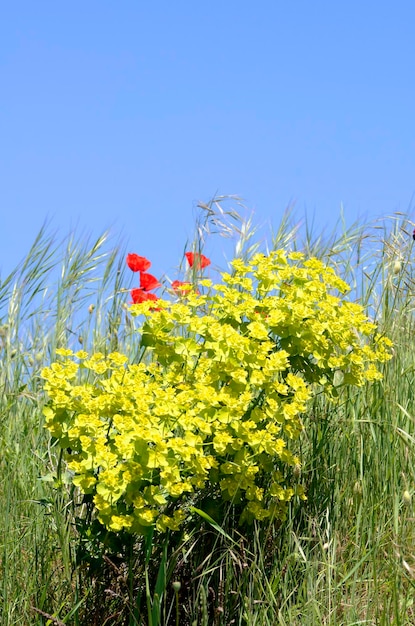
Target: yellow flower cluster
[(217, 397)]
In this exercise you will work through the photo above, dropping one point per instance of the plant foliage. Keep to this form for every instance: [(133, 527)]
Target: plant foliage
[(217, 396)]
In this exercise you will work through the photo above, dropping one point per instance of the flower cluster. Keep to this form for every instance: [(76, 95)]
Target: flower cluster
[(217, 401), (148, 282)]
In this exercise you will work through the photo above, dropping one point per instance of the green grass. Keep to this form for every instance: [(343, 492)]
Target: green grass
[(344, 557)]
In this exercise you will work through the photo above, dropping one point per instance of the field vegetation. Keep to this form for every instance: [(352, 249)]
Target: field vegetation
[(345, 556)]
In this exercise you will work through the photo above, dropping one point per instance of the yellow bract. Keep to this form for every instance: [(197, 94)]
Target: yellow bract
[(218, 396)]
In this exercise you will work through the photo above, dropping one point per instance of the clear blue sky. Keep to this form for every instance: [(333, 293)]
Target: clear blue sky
[(125, 114)]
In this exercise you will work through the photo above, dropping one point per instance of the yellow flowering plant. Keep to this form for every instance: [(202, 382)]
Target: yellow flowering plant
[(215, 403)]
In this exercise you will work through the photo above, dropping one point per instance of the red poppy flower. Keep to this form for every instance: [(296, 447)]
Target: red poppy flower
[(137, 263), (198, 260), (139, 296), (148, 282), (180, 287), (413, 235)]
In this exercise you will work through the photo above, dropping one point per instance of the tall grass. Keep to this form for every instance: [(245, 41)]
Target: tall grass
[(344, 557)]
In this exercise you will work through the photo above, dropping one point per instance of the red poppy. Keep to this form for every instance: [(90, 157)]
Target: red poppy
[(198, 260), (413, 235), (148, 282), (139, 296), (137, 263), (180, 287)]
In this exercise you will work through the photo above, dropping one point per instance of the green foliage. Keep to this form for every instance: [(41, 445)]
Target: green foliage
[(218, 399), (344, 556)]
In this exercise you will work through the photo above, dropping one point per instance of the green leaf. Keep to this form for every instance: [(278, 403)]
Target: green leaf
[(211, 521)]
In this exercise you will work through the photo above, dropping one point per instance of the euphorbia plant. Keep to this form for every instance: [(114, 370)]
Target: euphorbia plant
[(217, 399)]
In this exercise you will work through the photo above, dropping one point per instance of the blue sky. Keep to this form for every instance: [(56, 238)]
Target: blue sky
[(125, 114)]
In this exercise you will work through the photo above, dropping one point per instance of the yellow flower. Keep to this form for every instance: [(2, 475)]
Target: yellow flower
[(218, 398)]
